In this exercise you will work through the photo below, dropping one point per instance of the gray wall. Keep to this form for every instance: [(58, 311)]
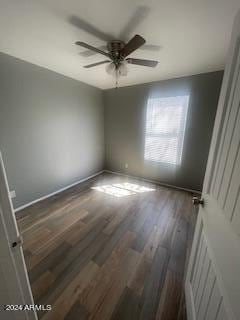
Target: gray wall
[(51, 129), (125, 111)]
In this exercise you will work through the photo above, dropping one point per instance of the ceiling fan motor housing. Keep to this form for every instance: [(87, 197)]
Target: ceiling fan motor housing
[(114, 48)]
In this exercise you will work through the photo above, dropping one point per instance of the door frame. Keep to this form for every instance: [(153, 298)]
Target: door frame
[(15, 284)]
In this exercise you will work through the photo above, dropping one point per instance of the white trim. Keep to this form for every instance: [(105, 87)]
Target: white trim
[(94, 175), (58, 191), (153, 181), (189, 302), (13, 273)]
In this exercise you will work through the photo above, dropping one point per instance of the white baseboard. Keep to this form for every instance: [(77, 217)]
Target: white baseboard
[(96, 174), (153, 181), (58, 191)]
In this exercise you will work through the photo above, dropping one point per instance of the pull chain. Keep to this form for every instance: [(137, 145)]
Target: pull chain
[(117, 76)]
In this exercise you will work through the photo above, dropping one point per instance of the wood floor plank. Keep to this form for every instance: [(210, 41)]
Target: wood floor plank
[(41, 285), (28, 236), (79, 249), (145, 231), (120, 215), (51, 260), (77, 312), (105, 308), (69, 297), (153, 285), (74, 238), (72, 270), (35, 241), (106, 251), (178, 248), (50, 246), (139, 217), (128, 306), (170, 298), (107, 275), (145, 263)]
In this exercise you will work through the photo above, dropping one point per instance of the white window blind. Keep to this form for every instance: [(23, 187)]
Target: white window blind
[(165, 127)]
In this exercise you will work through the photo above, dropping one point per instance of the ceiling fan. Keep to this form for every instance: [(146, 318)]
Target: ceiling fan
[(117, 55)]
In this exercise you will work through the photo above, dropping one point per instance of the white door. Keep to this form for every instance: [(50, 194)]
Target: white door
[(213, 278), (15, 290)]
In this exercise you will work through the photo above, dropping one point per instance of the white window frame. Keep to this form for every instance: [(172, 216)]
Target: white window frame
[(158, 102)]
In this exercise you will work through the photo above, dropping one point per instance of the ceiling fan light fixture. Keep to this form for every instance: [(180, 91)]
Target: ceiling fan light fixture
[(122, 69), (111, 69)]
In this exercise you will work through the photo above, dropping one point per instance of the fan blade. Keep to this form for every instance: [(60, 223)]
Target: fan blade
[(89, 28), (151, 47), (143, 62), (96, 64), (85, 45), (132, 45), (137, 18), (89, 53)]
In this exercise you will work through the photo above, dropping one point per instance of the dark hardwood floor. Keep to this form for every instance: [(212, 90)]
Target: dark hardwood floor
[(117, 252)]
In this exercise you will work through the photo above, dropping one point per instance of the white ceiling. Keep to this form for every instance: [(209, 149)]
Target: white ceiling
[(193, 34)]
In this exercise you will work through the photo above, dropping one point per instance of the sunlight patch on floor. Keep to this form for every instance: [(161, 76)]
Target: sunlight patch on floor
[(122, 189)]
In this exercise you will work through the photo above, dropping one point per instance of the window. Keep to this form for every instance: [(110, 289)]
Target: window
[(165, 126)]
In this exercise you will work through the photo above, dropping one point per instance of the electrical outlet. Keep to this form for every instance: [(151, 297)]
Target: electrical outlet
[(126, 165), (12, 194)]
